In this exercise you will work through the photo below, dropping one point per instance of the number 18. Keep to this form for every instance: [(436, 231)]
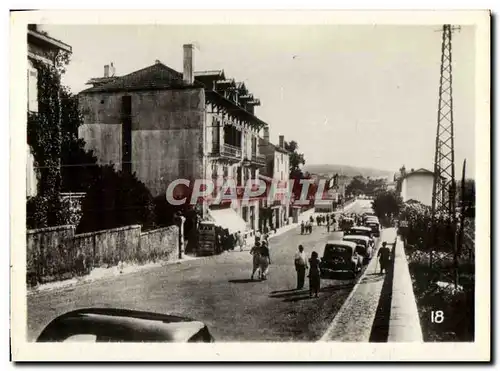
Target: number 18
[(437, 316)]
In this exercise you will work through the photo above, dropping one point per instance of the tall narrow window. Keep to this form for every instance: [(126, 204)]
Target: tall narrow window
[(127, 134)]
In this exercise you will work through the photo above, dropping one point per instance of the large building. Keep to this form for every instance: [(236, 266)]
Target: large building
[(276, 174), (164, 125), (41, 48), (417, 186)]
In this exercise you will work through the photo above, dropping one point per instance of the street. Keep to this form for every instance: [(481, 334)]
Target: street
[(217, 290)]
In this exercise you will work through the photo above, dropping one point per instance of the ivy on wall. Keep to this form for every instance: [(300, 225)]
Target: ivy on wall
[(44, 139)]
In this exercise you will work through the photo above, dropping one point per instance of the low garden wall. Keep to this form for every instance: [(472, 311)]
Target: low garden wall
[(58, 253)]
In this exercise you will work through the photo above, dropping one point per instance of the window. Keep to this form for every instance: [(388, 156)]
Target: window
[(32, 88)]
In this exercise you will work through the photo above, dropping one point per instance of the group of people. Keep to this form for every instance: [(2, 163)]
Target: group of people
[(314, 275), (226, 241), (261, 257), (328, 220)]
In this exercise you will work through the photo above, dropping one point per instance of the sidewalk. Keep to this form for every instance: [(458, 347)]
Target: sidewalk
[(354, 321), (404, 324)]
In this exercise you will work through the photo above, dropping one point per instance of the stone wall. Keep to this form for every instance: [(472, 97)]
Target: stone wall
[(57, 253)]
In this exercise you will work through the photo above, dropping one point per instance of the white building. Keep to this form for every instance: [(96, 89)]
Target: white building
[(417, 186), (277, 170)]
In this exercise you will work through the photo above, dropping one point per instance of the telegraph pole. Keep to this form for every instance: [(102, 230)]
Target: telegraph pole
[(444, 187)]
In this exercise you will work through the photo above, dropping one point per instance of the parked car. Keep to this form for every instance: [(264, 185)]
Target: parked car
[(363, 246), (361, 231), (340, 256), (374, 225), (121, 325)]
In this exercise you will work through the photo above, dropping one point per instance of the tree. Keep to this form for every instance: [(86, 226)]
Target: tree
[(387, 204), (357, 186), (78, 166), (116, 199), (296, 160)]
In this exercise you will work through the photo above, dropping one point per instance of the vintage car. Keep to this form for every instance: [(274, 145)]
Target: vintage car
[(374, 225), (360, 231), (363, 246), (123, 326), (340, 256)]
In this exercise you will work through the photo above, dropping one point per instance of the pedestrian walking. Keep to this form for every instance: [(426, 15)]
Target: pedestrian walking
[(300, 262), (327, 218), (240, 241), (255, 252), (328, 226), (318, 222), (384, 255), (314, 275), (302, 227), (265, 260)]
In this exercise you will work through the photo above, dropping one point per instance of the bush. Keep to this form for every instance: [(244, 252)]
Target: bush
[(114, 200), (457, 306)]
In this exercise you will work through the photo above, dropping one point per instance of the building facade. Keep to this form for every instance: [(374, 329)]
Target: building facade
[(276, 172), (417, 185), (42, 48), (165, 125)]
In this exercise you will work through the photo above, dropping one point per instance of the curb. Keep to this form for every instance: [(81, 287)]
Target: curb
[(404, 323)]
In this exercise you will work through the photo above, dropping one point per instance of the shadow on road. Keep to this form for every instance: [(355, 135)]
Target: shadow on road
[(303, 294), (288, 293), (245, 280), (298, 298), (380, 328)]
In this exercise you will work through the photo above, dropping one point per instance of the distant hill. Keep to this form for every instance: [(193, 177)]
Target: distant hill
[(347, 170)]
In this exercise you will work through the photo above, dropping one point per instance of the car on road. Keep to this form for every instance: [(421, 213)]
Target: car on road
[(340, 256), (374, 225), (360, 231), (363, 246), (123, 325)]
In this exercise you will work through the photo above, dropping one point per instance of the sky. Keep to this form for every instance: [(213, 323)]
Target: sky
[(357, 95)]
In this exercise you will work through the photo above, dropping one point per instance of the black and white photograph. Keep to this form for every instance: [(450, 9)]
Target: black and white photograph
[(305, 182)]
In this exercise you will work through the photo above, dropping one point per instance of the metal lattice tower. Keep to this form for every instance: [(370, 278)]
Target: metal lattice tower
[(444, 189)]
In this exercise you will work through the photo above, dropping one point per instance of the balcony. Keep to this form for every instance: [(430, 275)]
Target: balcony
[(228, 152), (259, 160)]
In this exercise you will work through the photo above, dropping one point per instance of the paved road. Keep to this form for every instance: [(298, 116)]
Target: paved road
[(216, 290)]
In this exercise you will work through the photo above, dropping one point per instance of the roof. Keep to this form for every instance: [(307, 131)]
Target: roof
[(358, 227), (207, 78), (341, 243), (232, 107), (43, 37), (419, 171), (263, 142), (155, 77), (352, 237)]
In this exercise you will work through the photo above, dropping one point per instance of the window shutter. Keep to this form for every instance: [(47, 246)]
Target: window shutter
[(32, 89)]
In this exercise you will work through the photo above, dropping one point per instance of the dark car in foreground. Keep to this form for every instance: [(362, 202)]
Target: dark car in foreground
[(122, 325), (340, 256)]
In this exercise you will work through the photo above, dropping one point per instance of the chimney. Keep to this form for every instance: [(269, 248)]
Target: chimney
[(106, 70), (282, 141), (188, 75), (266, 134)]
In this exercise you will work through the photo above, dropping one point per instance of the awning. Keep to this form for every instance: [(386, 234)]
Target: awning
[(228, 218)]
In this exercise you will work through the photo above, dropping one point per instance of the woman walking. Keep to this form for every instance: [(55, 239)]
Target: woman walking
[(265, 260), (255, 251), (314, 275)]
